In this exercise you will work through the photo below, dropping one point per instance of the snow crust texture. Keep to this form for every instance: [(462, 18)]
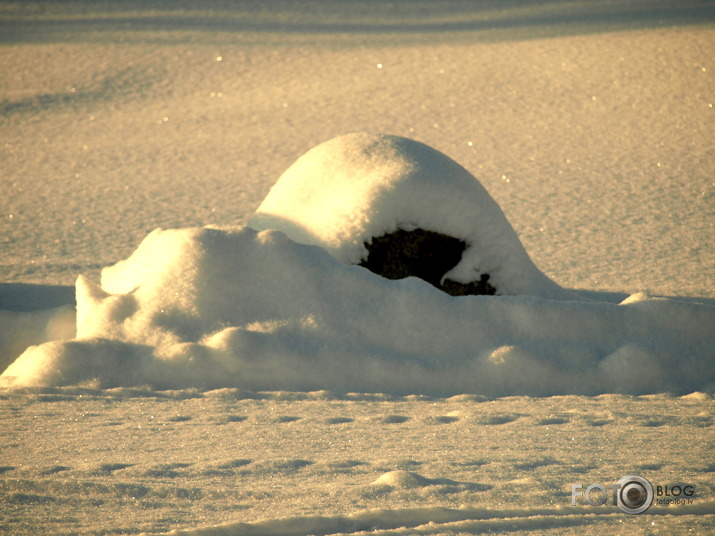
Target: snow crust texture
[(232, 462)]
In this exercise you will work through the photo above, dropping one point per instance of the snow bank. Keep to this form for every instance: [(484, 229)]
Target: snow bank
[(20, 329), (286, 309), (347, 191), (208, 308)]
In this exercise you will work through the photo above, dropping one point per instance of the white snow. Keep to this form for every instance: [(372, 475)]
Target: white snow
[(211, 307), (208, 308), (348, 190), (228, 380), (233, 462)]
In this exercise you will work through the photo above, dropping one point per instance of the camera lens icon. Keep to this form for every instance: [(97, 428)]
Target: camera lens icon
[(635, 494)]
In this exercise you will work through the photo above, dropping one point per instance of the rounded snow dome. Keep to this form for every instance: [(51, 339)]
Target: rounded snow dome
[(361, 195)]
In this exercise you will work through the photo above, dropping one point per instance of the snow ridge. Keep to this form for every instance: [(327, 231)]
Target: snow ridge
[(212, 308)]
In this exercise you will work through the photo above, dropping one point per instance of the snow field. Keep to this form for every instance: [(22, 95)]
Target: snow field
[(593, 134), (322, 463)]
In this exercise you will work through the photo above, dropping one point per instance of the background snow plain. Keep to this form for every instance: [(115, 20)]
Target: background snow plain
[(590, 123)]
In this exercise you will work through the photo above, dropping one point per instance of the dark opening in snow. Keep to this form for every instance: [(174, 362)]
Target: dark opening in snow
[(424, 254)]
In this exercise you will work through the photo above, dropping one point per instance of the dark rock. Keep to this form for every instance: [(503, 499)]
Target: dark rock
[(424, 254), (473, 288)]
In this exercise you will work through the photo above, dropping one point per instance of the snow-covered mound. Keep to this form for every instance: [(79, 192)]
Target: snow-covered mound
[(352, 189), (211, 307)]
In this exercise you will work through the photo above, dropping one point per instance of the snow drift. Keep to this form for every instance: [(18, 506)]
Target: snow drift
[(285, 309), (345, 192)]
